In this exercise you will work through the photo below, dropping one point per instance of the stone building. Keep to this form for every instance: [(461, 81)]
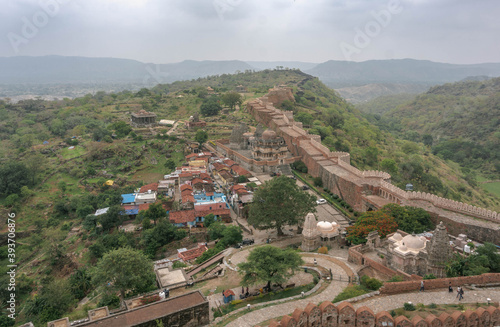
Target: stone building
[(143, 118), (316, 234), (195, 122), (410, 254), (269, 146)]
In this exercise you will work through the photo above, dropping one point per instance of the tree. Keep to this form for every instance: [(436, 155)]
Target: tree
[(124, 269), (111, 218), (209, 220), (35, 163), (232, 235), (231, 99), (201, 136), (428, 139), (155, 212), (80, 283), (170, 164), (409, 219), (216, 230), (368, 222), (280, 202), (269, 264), (13, 176), (210, 107), (121, 128)]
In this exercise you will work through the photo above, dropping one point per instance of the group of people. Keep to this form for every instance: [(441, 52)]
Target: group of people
[(460, 292)]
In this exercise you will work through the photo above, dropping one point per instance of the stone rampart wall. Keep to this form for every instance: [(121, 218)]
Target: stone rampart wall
[(430, 284), (344, 315), (351, 183)]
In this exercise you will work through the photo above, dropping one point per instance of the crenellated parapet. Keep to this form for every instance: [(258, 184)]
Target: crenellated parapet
[(361, 189), (344, 315)]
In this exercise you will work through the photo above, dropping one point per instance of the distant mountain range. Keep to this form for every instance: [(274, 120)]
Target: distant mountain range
[(395, 75)]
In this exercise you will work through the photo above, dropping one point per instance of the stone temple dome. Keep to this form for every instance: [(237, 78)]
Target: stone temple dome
[(325, 226), (413, 242), (397, 237), (269, 134)]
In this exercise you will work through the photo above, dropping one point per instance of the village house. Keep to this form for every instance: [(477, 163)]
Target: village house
[(143, 118)]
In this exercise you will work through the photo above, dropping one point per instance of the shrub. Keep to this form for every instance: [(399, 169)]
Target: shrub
[(433, 306), (323, 250), (350, 292), (395, 278), (429, 276), (179, 264), (318, 181), (409, 306), (371, 283), (420, 306), (235, 302), (150, 299), (393, 313)]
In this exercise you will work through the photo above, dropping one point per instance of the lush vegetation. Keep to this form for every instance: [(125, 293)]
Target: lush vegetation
[(387, 220), (459, 122), (270, 265), (484, 259), (279, 202)]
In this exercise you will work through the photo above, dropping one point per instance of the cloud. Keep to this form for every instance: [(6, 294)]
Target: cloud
[(456, 31)]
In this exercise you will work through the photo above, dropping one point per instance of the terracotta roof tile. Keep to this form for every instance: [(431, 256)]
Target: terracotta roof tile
[(146, 188), (228, 293), (182, 216)]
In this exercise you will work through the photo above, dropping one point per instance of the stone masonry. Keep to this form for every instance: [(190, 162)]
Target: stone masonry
[(366, 189), (344, 315)]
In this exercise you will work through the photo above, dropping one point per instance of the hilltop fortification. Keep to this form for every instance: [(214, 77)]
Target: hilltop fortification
[(366, 189)]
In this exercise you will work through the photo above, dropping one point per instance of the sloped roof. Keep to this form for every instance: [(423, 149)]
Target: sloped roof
[(241, 171), (228, 293), (152, 187), (182, 216)]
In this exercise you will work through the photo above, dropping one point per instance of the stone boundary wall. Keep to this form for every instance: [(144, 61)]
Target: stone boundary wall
[(344, 315), (430, 284), (355, 256), (354, 185)]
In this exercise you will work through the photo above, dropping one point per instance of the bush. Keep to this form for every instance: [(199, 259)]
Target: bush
[(179, 264), (433, 306), (393, 313), (318, 181), (371, 283), (350, 292), (235, 302), (395, 278), (323, 250), (429, 276), (409, 306), (110, 300), (420, 306)]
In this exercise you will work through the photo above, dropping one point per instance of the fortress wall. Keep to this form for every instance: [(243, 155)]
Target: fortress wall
[(430, 284), (353, 184), (344, 315)]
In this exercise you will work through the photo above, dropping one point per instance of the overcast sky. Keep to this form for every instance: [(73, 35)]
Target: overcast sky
[(165, 31)]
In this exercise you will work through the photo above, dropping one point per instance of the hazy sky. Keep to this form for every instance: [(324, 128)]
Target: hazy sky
[(164, 31)]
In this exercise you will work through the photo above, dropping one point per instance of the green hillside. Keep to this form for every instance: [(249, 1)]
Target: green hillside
[(53, 188), (460, 121)]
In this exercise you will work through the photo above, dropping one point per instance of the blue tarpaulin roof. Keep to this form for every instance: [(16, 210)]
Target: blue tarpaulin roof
[(132, 212), (128, 198)]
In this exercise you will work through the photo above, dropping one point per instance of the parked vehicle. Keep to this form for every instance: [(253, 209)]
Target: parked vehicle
[(305, 187), (320, 201), (248, 241)]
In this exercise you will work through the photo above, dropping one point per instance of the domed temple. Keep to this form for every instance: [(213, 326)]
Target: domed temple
[(316, 234)]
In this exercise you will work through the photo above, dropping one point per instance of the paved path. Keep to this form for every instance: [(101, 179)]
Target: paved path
[(258, 316), (441, 296)]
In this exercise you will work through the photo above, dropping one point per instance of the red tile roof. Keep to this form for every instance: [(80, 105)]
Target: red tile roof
[(193, 253), (218, 166), (187, 197), (186, 187), (205, 176), (130, 207), (241, 171), (228, 293), (217, 212), (146, 188), (230, 162), (209, 193), (198, 180), (182, 216), (144, 206)]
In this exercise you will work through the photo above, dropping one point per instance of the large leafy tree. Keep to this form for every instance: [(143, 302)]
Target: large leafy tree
[(201, 136), (124, 269), (409, 219), (13, 176), (280, 202), (484, 259), (210, 107), (368, 222), (231, 99), (155, 212), (269, 264)]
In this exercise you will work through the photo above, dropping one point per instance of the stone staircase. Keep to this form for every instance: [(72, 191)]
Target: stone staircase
[(285, 170)]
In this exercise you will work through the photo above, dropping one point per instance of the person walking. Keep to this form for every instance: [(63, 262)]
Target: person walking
[(450, 289), (458, 292), (421, 286), (461, 294)]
